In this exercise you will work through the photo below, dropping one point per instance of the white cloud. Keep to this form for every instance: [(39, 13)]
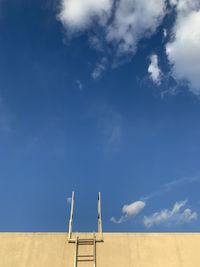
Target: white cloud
[(154, 70), (99, 68), (130, 211), (124, 22), (178, 215), (78, 15), (173, 2), (183, 50), (134, 20)]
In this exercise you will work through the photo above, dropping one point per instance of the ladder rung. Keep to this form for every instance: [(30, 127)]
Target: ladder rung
[(86, 256), (85, 244), (85, 260), (85, 240)]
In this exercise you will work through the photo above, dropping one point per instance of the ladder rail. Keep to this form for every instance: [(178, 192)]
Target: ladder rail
[(76, 252), (94, 251)]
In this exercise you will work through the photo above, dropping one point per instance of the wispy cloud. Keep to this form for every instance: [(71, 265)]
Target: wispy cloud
[(129, 211), (176, 216), (79, 84), (172, 184), (99, 68), (112, 132), (96, 42), (109, 127)]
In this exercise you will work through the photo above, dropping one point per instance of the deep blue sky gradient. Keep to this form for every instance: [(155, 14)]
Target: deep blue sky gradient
[(117, 135)]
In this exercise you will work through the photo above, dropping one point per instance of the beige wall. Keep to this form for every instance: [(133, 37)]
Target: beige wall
[(117, 250)]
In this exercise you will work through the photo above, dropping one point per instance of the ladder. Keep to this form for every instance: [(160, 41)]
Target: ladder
[(85, 257), (80, 257)]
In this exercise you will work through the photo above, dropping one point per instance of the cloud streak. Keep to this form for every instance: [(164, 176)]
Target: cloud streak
[(99, 68), (169, 186)]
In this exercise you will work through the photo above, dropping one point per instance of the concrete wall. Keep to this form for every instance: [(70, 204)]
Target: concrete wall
[(117, 250)]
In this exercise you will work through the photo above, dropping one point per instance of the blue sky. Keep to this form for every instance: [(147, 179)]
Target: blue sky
[(100, 97)]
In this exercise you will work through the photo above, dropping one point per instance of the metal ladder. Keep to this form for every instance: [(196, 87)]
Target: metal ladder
[(85, 241), (85, 257)]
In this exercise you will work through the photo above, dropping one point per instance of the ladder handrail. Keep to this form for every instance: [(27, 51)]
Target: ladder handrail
[(99, 219), (71, 215), (99, 214)]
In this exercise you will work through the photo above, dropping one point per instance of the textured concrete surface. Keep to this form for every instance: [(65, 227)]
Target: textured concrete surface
[(117, 250)]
